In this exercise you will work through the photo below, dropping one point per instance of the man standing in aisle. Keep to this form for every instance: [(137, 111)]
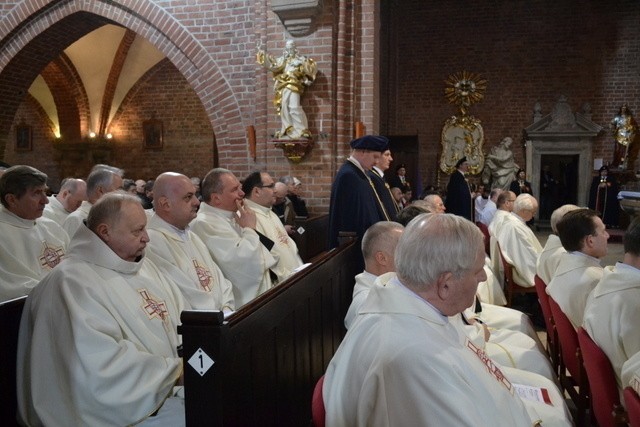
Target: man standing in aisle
[(355, 203), (458, 199), (382, 187)]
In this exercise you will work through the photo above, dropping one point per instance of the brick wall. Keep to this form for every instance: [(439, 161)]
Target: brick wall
[(212, 44), (528, 51), (187, 138)]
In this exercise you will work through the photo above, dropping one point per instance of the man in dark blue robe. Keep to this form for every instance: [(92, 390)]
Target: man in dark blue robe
[(355, 205)]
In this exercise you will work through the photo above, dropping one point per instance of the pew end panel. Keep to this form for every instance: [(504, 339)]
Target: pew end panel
[(10, 315), (270, 353)]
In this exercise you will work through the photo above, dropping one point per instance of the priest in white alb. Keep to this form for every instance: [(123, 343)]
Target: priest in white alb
[(611, 317), (72, 193), (100, 181), (549, 258), (98, 341), (403, 363), (584, 236), (178, 251), (518, 243), (258, 189), (31, 245), (227, 228)]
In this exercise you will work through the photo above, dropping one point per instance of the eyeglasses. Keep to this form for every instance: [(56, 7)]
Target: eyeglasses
[(272, 185)]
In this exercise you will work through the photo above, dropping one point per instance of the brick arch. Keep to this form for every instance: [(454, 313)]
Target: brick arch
[(45, 27)]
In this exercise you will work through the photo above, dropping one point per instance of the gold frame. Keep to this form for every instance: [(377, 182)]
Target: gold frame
[(24, 137), (153, 134), (462, 137)]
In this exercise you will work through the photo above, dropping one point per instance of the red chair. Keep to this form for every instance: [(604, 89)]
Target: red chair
[(317, 404), (632, 401), (487, 237), (571, 363), (605, 399), (510, 287), (552, 333)]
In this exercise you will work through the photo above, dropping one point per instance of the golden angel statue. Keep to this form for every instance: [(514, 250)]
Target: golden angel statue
[(624, 131), (292, 73)]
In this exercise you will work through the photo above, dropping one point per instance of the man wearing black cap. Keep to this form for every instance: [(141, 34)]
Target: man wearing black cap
[(355, 204), (458, 193)]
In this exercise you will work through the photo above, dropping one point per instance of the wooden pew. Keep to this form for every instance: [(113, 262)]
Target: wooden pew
[(315, 238), (10, 314), (269, 354)]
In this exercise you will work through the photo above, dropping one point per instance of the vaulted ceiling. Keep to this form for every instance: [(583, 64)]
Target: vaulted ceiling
[(82, 89)]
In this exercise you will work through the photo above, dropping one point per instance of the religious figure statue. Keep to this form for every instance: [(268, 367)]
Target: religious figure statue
[(500, 167), (291, 74), (624, 131)]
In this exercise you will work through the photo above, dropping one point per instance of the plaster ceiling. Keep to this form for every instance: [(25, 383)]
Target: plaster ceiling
[(93, 56)]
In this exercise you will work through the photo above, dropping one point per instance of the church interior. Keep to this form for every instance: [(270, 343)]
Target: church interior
[(84, 78), (151, 86)]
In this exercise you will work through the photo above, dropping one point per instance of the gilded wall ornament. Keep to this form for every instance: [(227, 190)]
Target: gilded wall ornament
[(463, 136)]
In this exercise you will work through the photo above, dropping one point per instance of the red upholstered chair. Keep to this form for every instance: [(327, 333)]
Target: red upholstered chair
[(552, 334), (572, 374), (605, 399), (317, 404), (510, 287), (487, 237), (632, 401)]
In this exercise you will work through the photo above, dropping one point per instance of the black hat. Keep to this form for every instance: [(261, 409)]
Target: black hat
[(400, 166), (460, 162), (604, 168), (370, 142)]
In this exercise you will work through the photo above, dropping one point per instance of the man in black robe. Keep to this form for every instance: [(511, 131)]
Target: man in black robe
[(459, 200), (603, 197)]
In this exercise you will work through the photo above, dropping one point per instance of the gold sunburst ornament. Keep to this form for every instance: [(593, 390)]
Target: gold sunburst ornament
[(463, 136), (465, 89)]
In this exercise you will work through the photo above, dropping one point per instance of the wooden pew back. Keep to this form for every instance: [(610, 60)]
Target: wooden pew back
[(268, 355), (10, 314), (315, 238)]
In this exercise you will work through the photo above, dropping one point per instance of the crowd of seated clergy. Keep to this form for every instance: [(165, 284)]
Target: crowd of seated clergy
[(41, 228), (603, 301), (108, 296), (419, 286), (384, 374)]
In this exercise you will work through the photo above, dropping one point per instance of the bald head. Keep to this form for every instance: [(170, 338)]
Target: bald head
[(72, 192), (379, 245), (174, 199)]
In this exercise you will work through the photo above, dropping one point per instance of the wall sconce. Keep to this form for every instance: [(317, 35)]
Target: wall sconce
[(92, 134)]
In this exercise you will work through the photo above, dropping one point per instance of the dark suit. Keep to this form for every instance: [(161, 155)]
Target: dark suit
[(384, 191), (458, 200), (515, 187), (354, 206)]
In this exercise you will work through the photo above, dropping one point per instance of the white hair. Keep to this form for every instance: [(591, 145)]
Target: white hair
[(557, 215), (435, 244)]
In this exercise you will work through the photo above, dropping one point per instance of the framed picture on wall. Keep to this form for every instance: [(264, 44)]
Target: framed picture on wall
[(23, 137), (152, 132)]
